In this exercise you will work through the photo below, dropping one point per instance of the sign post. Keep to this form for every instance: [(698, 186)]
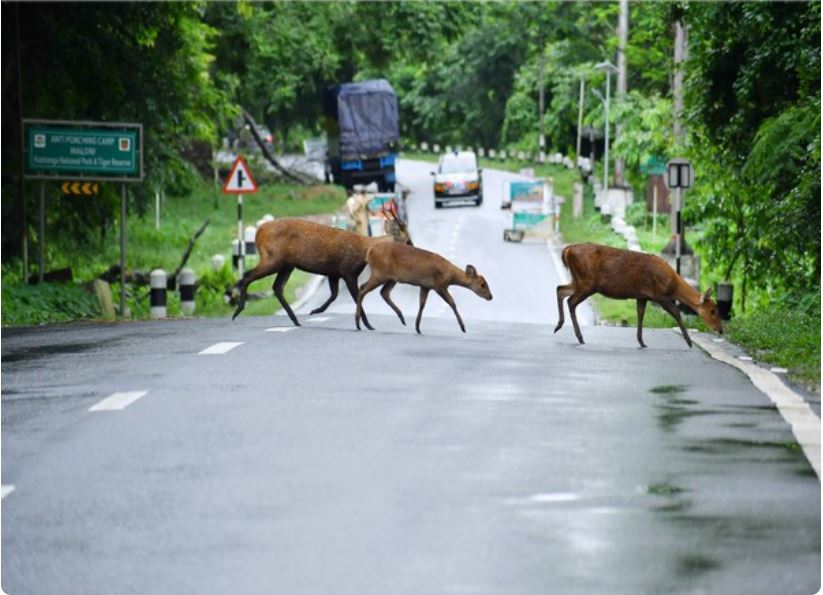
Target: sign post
[(679, 175), (80, 151), (240, 182), (655, 166)]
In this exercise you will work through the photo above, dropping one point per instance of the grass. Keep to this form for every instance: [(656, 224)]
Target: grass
[(786, 335), (149, 248)]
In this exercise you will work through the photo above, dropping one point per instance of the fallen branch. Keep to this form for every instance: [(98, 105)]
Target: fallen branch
[(112, 275), (269, 157), (187, 253)]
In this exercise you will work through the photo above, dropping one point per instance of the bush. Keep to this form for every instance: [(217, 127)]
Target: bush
[(47, 302), (786, 333)]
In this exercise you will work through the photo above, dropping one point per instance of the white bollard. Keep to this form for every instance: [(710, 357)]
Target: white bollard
[(217, 262), (186, 283), (424, 147), (481, 151), (248, 237), (436, 148), (157, 295)]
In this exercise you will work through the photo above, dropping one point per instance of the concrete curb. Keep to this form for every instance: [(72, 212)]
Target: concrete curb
[(795, 410)]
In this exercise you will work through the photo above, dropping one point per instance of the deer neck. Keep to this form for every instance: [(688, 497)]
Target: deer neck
[(687, 294), (459, 277)]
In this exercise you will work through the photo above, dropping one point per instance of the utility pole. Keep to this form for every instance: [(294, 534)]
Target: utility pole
[(24, 223), (678, 245), (609, 69), (622, 39), (680, 41), (542, 131), (580, 120)]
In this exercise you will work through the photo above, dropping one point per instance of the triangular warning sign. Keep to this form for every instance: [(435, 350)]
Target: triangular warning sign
[(240, 180)]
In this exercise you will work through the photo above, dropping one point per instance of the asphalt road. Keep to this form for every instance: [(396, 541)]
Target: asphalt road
[(327, 460)]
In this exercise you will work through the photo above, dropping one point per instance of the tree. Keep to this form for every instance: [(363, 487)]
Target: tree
[(138, 62), (753, 103)]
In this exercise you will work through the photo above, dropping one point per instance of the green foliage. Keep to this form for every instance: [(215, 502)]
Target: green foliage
[(138, 62), (39, 304), (784, 333), (150, 248), (754, 109)]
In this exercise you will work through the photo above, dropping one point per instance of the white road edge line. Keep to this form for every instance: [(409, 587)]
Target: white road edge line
[(562, 273), (118, 401), (311, 288), (5, 491), (803, 421), (220, 348)]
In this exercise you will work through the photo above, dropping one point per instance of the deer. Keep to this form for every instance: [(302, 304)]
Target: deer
[(392, 263), (624, 274), (288, 244)]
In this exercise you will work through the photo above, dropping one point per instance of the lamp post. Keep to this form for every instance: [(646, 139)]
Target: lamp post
[(609, 69)]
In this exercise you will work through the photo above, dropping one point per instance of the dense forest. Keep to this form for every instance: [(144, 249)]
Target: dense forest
[(465, 73)]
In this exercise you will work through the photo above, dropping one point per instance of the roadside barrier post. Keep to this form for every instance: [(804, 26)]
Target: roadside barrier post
[(248, 237), (157, 299), (235, 253), (186, 283), (725, 294)]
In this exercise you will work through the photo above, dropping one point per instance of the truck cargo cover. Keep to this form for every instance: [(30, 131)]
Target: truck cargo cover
[(366, 114)]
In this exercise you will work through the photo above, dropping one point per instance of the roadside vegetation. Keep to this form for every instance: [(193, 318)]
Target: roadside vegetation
[(464, 73), (150, 248)]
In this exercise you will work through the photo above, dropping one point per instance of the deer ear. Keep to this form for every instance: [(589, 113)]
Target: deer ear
[(706, 295), (471, 271)]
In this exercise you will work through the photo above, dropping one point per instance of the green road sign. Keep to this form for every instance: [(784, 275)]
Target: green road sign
[(69, 150), (655, 165)]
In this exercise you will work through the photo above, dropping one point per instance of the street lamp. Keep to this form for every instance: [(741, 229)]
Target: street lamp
[(609, 69)]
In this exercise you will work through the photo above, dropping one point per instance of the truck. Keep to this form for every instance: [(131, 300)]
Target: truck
[(362, 134)]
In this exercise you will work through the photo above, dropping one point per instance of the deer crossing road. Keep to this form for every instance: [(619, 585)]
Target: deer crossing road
[(322, 459)]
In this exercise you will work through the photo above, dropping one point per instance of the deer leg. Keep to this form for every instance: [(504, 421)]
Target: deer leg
[(351, 284), (563, 291), (670, 307), (641, 311), (279, 284), (334, 283), (424, 294), (370, 285), (444, 293), (251, 275), (386, 293), (574, 300)]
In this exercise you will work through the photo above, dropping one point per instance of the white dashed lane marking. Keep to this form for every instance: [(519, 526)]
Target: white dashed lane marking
[(5, 491), (220, 348), (319, 319), (280, 329), (118, 401)]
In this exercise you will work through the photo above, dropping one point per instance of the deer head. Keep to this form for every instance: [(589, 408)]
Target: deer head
[(477, 283)]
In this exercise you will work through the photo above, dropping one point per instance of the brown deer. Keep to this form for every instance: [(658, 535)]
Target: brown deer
[(288, 244), (623, 275), (392, 263)]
